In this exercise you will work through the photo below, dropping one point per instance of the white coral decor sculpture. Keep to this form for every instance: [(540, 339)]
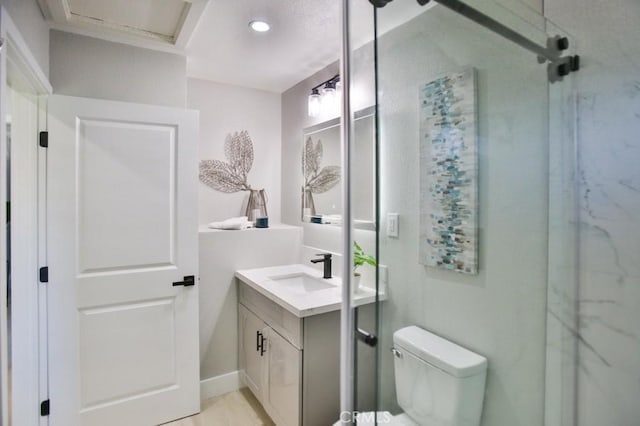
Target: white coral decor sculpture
[(232, 176)]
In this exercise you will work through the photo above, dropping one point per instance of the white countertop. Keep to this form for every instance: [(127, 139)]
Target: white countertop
[(297, 301), (272, 227)]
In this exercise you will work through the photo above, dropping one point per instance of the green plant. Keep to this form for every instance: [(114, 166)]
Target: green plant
[(360, 258)]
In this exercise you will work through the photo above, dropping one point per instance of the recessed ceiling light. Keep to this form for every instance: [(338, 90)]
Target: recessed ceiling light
[(259, 26)]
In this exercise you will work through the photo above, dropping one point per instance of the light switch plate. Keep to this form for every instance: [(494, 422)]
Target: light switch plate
[(393, 225)]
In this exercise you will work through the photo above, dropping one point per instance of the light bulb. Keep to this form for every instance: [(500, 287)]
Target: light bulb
[(329, 99), (259, 26), (314, 103)]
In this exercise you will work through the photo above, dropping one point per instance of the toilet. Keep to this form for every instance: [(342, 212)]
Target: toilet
[(438, 383)]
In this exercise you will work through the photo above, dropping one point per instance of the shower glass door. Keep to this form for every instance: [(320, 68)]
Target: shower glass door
[(475, 214)]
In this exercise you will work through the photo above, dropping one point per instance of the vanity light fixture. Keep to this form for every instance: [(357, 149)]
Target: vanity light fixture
[(325, 100), (329, 98), (329, 88), (314, 103), (259, 26)]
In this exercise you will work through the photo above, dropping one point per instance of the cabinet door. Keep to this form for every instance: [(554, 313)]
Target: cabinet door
[(283, 373), (251, 357)]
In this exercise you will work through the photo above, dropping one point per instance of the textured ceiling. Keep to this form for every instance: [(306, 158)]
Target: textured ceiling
[(305, 36)]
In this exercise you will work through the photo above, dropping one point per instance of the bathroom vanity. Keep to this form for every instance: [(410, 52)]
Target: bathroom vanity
[(289, 341)]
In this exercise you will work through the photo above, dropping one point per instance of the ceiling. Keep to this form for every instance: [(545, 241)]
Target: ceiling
[(305, 35)]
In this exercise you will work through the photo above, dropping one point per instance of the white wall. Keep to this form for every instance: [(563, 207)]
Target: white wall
[(28, 18), (227, 109), (221, 254), (607, 35), (94, 68)]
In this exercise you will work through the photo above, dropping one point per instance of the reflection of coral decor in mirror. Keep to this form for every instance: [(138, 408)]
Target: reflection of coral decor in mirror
[(316, 180), (232, 176), (321, 194)]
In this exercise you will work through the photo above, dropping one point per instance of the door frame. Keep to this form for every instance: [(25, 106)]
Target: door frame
[(15, 53)]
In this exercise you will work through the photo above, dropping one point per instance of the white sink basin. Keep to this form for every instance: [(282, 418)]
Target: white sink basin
[(301, 283), (300, 288)]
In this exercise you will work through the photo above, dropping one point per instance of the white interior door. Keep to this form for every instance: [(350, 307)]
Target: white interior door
[(122, 228)]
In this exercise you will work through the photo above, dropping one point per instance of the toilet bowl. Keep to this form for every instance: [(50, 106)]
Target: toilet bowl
[(368, 418)]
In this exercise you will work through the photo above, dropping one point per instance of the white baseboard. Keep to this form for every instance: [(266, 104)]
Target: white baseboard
[(215, 386)]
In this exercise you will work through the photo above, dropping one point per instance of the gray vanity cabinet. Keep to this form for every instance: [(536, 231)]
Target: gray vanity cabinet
[(283, 379), (291, 364)]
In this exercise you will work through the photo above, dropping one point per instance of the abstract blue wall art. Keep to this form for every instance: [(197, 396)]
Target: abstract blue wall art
[(448, 173)]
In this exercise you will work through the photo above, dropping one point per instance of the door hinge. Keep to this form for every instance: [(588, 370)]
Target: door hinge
[(44, 139), (45, 407), (44, 274)]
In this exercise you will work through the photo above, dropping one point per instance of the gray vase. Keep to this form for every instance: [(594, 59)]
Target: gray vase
[(308, 203), (257, 201)]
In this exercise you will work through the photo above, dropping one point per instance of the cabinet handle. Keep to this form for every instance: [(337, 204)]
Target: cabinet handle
[(263, 347), (259, 341)]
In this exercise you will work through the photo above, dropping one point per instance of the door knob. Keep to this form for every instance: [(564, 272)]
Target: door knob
[(189, 280)]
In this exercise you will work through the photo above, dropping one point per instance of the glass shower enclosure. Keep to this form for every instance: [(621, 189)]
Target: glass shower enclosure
[(475, 237)]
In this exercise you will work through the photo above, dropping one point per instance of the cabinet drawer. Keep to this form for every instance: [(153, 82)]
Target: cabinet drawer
[(277, 317)]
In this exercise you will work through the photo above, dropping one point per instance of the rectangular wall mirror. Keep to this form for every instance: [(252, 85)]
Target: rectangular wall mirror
[(322, 172)]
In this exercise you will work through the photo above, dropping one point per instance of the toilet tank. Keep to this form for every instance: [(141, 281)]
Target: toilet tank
[(438, 383)]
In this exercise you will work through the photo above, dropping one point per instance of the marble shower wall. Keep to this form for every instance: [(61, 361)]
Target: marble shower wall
[(608, 375)]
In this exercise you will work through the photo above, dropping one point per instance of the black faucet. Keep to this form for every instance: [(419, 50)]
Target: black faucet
[(326, 259)]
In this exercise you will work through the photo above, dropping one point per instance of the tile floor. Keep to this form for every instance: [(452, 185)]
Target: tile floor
[(238, 408)]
